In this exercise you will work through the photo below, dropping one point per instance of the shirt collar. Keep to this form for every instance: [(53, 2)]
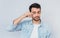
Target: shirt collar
[(40, 23)]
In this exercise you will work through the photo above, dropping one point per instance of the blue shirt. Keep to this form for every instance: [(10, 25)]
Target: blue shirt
[(26, 28)]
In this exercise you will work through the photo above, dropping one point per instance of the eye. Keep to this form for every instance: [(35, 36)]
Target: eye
[(34, 12), (38, 12)]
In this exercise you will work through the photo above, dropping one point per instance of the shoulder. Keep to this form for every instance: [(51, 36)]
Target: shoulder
[(46, 26)]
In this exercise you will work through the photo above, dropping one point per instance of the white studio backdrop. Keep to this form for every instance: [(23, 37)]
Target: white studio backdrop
[(11, 9)]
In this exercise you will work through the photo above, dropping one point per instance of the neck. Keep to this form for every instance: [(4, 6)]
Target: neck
[(36, 22)]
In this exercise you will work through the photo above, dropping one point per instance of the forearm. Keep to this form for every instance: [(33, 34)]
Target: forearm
[(16, 21)]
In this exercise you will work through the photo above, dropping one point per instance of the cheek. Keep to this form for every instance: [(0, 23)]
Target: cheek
[(33, 15), (38, 14)]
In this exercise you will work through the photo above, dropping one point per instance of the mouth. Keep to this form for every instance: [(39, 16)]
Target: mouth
[(37, 17)]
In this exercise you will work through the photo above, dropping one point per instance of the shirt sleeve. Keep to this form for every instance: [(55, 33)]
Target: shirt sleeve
[(15, 27), (49, 32), (18, 27)]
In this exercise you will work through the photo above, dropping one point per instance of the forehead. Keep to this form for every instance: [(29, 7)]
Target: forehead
[(35, 9)]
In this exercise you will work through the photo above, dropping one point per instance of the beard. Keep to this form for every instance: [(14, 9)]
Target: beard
[(36, 18)]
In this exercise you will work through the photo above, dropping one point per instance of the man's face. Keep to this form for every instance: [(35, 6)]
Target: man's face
[(36, 13)]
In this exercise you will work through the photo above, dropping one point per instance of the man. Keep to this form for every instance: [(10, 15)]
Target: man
[(34, 28)]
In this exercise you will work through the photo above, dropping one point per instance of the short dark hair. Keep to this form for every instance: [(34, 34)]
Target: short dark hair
[(35, 5)]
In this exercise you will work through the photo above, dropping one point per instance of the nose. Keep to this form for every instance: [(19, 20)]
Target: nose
[(36, 14)]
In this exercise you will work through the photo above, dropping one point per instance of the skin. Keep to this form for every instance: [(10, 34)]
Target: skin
[(34, 14)]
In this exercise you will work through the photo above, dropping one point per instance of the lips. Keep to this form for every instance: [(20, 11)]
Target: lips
[(37, 17)]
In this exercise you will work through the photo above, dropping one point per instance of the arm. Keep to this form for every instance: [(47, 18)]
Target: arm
[(17, 20), (17, 24)]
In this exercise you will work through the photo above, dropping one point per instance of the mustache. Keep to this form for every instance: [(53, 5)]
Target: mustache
[(37, 17)]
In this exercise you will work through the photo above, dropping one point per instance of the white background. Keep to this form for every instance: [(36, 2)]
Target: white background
[(11, 9)]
